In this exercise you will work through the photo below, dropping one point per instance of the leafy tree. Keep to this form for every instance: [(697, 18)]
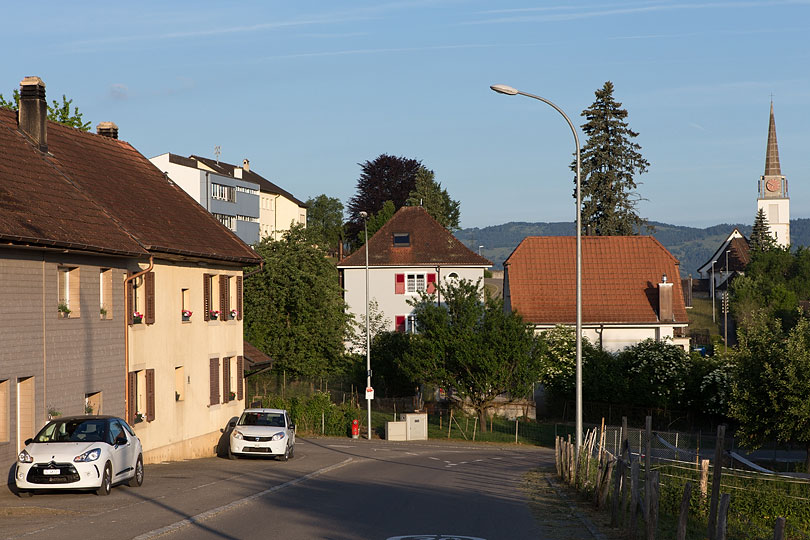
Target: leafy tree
[(325, 218), (387, 352), (376, 221), (428, 194), (772, 376), (57, 112), (656, 373), (377, 324), (761, 239), (473, 346), (610, 161), (294, 310)]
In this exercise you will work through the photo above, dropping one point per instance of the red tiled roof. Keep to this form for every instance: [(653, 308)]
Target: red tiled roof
[(430, 244), (620, 276), (100, 194)]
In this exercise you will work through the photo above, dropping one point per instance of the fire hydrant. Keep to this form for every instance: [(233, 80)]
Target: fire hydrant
[(355, 429)]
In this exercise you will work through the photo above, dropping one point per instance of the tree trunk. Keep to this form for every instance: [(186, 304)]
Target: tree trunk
[(482, 418)]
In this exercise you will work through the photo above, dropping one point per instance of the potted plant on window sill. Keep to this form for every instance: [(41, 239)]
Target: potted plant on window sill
[(64, 311), (137, 317), (138, 418), (214, 314), (234, 313), (232, 396), (103, 312), (186, 315)]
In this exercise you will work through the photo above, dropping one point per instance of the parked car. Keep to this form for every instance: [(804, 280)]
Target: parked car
[(80, 452), (263, 432)]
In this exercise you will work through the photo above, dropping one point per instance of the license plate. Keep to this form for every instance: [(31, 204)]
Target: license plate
[(50, 472)]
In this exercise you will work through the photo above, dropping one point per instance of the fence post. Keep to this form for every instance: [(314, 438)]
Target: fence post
[(450, 423), (704, 478), (604, 485), (718, 471), (475, 426), (557, 454), (722, 516), (684, 517), (634, 489), (323, 422), (652, 498), (516, 429), (779, 529), (647, 459), (618, 480), (625, 453)]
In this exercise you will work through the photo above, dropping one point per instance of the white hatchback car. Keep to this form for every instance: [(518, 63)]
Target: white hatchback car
[(80, 452), (263, 432)]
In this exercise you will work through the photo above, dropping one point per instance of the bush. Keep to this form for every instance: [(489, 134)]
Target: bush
[(308, 413)]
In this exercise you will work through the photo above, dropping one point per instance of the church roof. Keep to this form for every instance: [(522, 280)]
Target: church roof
[(772, 167)]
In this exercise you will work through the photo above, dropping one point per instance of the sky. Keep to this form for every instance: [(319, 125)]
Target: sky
[(307, 91)]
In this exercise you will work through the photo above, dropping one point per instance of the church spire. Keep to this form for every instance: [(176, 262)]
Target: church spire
[(772, 167)]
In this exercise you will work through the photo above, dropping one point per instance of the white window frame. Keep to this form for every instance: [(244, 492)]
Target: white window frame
[(414, 281)]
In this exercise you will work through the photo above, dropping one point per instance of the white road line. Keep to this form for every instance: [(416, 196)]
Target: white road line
[(210, 513), (340, 446), (437, 459)]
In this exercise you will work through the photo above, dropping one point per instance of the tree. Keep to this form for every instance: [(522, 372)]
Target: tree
[(772, 376), (387, 351), (761, 239), (294, 309), (473, 346), (428, 194), (57, 112), (376, 221), (325, 218), (610, 161), (377, 324), (656, 373)]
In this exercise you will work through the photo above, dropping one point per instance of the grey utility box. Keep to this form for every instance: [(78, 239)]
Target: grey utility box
[(395, 431), (416, 426)]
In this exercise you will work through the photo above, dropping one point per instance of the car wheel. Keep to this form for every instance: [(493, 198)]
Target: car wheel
[(106, 481), (231, 455), (286, 455), (137, 480), (292, 451)]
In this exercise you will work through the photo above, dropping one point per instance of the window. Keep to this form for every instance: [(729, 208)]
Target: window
[(244, 189), (415, 283), (179, 383), (249, 219), (68, 287), (223, 192), (410, 324), (230, 379), (405, 324), (214, 381), (185, 305), (141, 405), (228, 221), (211, 289), (142, 299), (105, 293), (92, 403), (5, 416), (402, 239)]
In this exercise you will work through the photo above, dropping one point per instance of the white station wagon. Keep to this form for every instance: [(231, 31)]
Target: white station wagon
[(263, 432)]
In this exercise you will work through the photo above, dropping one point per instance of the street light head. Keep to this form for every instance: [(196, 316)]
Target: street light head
[(503, 89), (364, 215)]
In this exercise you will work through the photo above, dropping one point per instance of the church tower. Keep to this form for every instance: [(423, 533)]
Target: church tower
[(773, 191)]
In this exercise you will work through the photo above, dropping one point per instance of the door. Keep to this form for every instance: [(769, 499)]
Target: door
[(123, 459)]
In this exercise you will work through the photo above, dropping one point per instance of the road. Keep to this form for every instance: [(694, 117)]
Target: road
[(337, 489)]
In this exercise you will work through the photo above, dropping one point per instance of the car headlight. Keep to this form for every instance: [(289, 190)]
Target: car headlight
[(238, 435), (90, 455), (25, 457), (277, 436)]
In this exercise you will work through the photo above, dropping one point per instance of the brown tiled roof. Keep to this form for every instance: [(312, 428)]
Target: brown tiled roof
[(620, 275), (255, 359), (100, 194), (430, 244)]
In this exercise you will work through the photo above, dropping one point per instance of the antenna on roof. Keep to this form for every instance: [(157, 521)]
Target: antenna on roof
[(216, 153)]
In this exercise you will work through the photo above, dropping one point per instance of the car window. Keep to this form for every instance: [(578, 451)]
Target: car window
[(115, 431), (261, 419), (127, 428), (75, 430)]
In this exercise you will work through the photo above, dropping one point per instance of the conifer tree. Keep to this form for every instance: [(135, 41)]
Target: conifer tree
[(610, 161), (761, 239)]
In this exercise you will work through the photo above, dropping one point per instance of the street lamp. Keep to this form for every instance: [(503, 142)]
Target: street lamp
[(714, 318), (509, 91), (725, 309), (364, 215)]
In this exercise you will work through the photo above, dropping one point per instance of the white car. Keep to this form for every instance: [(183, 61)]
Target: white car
[(80, 452), (263, 432)]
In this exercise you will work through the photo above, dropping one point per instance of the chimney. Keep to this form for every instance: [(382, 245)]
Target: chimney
[(33, 115), (107, 129), (246, 164), (665, 313)]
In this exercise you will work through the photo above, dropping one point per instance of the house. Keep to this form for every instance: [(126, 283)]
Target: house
[(100, 254), (411, 253), (631, 289), (276, 208), (728, 260)]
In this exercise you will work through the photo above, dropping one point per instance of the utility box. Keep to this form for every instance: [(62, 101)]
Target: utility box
[(416, 426), (396, 431)]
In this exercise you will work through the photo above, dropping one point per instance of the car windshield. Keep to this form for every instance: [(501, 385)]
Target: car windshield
[(262, 419), (77, 430)]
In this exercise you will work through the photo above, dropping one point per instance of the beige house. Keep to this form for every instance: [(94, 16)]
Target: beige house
[(99, 257)]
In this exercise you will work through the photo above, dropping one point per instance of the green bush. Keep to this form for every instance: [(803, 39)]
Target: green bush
[(316, 414)]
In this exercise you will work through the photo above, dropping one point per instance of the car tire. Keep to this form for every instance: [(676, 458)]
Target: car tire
[(137, 479), (106, 481), (231, 455), (286, 455), (292, 451)]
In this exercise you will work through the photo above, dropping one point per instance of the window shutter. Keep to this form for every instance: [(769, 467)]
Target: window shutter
[(150, 395), (239, 292), (226, 380), (431, 283), (400, 321), (224, 308), (130, 304), (399, 283), (132, 385), (149, 307), (207, 297), (240, 376), (214, 370)]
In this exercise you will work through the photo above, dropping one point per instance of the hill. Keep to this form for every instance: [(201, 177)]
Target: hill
[(691, 245)]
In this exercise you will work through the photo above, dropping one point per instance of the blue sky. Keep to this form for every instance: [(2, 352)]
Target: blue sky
[(307, 90)]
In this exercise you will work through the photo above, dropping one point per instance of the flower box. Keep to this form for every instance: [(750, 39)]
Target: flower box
[(137, 317), (214, 314), (234, 314), (186, 314)]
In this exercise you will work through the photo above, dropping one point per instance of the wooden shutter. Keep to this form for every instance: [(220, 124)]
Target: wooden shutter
[(399, 283), (132, 386), (224, 298), (130, 302), (400, 323), (226, 380), (431, 283), (239, 292), (149, 305), (240, 376), (207, 297), (150, 395), (214, 370)]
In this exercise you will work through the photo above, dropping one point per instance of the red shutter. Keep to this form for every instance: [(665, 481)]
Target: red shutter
[(399, 283), (226, 380), (214, 371), (239, 292), (130, 305), (132, 386), (149, 305), (400, 320), (224, 308), (150, 395), (431, 283), (240, 377), (207, 297)]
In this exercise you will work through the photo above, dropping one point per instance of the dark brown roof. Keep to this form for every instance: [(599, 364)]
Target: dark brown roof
[(255, 360), (100, 194), (430, 244)]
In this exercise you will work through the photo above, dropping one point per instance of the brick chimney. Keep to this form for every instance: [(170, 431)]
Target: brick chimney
[(33, 115), (246, 164), (107, 129), (665, 312)]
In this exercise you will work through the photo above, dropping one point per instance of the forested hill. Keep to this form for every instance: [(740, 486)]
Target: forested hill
[(692, 246)]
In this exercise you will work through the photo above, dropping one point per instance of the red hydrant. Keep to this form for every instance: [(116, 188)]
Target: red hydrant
[(355, 429)]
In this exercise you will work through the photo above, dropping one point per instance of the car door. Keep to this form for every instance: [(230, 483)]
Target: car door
[(122, 452)]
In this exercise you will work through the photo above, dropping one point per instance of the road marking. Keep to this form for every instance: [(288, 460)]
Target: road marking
[(437, 459), (210, 513), (340, 446), (434, 537)]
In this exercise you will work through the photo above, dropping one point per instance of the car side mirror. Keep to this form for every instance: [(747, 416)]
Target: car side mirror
[(28, 441), (121, 439), (292, 427)]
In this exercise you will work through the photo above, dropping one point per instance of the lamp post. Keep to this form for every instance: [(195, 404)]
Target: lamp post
[(509, 91), (714, 318), (725, 309), (364, 215)]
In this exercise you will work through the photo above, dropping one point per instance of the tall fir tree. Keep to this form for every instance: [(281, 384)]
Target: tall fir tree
[(761, 239), (428, 194), (610, 161)]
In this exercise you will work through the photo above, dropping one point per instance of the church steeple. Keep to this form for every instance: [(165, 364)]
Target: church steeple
[(772, 167), (773, 190)]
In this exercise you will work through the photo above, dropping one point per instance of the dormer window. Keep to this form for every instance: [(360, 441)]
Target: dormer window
[(402, 239)]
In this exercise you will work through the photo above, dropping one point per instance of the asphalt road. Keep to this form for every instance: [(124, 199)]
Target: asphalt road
[(332, 489)]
